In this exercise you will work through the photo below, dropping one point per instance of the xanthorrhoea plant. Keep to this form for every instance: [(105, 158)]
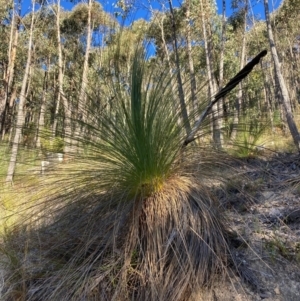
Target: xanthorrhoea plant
[(127, 219)]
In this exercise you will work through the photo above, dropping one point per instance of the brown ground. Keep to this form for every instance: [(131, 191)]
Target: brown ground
[(264, 209)]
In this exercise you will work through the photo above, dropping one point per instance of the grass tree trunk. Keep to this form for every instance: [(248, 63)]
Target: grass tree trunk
[(282, 86), (22, 99)]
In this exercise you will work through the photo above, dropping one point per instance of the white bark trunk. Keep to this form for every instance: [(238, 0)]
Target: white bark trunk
[(183, 107), (8, 78), (61, 95), (82, 112), (217, 136), (190, 59), (239, 96), (282, 86), (22, 99)]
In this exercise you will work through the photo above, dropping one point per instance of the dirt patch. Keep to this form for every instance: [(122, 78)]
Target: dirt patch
[(263, 207)]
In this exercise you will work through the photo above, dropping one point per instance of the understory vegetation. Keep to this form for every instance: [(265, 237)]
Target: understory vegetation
[(120, 164)]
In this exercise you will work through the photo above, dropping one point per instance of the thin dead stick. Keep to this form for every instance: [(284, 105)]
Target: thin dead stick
[(223, 92)]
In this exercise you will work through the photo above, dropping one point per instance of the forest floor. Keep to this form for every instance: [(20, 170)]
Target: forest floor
[(262, 202)]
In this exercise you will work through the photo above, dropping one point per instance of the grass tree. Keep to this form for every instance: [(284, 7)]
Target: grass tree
[(132, 222), (131, 218)]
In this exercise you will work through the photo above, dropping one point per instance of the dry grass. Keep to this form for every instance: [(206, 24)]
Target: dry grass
[(162, 247)]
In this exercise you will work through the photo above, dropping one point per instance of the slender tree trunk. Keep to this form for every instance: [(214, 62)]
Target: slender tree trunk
[(9, 113), (60, 70), (222, 104), (41, 122), (282, 86), (8, 78), (61, 95), (190, 58), (22, 99), (217, 136), (223, 40), (239, 97), (86, 57), (184, 113), (161, 25), (267, 102), (81, 110)]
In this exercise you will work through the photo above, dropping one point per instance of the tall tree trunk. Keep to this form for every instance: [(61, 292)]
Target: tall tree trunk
[(217, 136), (86, 57), (61, 95), (8, 78), (282, 86), (174, 93), (222, 104), (190, 58), (184, 113), (22, 99), (41, 122), (81, 110), (239, 97), (267, 99), (60, 70), (223, 40)]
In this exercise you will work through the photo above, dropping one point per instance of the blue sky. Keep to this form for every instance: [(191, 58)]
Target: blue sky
[(141, 10)]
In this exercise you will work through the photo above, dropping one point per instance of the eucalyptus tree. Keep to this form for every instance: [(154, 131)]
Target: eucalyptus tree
[(45, 60), (189, 21), (90, 16), (168, 31), (239, 20), (285, 98), (61, 95), (8, 76), (286, 31), (221, 58), (183, 106), (89, 30), (223, 42), (158, 32), (206, 10), (22, 99)]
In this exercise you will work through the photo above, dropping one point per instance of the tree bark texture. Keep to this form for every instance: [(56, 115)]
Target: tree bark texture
[(22, 99), (282, 86)]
